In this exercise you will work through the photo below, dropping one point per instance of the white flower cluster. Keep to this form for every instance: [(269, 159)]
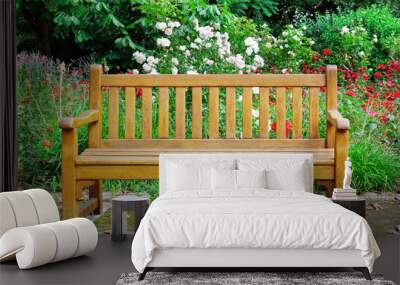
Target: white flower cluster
[(167, 28), (237, 60), (139, 57), (223, 44), (149, 63), (252, 45), (346, 30), (163, 42)]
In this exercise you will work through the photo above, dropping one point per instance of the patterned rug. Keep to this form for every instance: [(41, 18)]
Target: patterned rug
[(243, 278)]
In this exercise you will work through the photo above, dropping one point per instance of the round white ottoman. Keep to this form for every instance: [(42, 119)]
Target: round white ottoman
[(32, 233)]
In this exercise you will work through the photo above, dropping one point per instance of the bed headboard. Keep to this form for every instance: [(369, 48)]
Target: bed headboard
[(213, 158)]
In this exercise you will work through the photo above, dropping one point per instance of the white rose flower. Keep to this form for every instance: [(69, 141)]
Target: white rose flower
[(175, 61), (161, 26), (361, 54), (174, 70), (205, 32), (312, 42), (194, 46), (239, 62), (168, 31), (182, 48), (151, 59), (154, 71), (256, 90), (296, 38), (375, 38), (217, 26), (345, 30), (187, 53), (208, 61), (163, 42), (249, 51), (147, 67), (281, 47), (285, 34), (240, 99), (135, 71), (285, 70), (139, 57), (198, 41), (192, 72), (268, 45), (255, 113), (286, 45), (258, 61), (207, 45)]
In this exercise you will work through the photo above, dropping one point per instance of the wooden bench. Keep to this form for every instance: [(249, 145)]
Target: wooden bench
[(184, 129)]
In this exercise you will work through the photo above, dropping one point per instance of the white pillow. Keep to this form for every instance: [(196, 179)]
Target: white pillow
[(251, 178), (291, 180), (282, 173), (223, 179), (183, 177)]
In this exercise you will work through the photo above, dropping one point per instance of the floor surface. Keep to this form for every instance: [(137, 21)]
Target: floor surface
[(110, 260)]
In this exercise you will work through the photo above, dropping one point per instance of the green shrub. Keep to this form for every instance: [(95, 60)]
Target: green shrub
[(362, 37), (47, 90), (375, 167)]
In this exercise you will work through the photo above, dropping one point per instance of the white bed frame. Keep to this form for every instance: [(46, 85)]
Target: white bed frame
[(250, 258)]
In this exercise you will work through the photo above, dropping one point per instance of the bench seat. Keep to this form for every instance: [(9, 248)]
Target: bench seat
[(110, 158)]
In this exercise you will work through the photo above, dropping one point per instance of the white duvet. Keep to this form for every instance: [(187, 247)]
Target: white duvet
[(250, 218)]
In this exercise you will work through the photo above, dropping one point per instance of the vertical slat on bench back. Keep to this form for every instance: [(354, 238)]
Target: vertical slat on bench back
[(230, 112), (213, 128), (95, 103), (147, 109), (280, 113), (297, 107), (247, 106), (314, 112), (331, 102), (197, 113), (264, 112), (130, 111), (180, 113), (113, 113), (163, 113)]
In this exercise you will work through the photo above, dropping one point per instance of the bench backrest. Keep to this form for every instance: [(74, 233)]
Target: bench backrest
[(182, 101)]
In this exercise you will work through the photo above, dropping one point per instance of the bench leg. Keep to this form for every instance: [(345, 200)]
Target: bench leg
[(364, 271), (143, 274), (96, 191), (68, 179)]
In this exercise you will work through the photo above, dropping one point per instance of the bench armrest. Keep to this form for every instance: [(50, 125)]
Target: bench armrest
[(85, 118), (336, 119)]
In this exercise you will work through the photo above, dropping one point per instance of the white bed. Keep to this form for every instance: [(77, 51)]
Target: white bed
[(202, 220)]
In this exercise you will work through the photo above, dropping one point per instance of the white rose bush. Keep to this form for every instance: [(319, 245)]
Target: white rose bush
[(202, 48)]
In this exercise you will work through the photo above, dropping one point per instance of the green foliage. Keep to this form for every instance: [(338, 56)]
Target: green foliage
[(375, 167), (47, 90), (363, 37), (258, 10)]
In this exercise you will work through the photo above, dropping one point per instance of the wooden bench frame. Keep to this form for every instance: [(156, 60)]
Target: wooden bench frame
[(133, 158)]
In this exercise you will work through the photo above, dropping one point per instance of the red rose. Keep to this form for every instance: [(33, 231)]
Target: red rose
[(46, 143), (316, 57), (326, 52), (139, 92), (351, 93), (288, 127), (377, 74)]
